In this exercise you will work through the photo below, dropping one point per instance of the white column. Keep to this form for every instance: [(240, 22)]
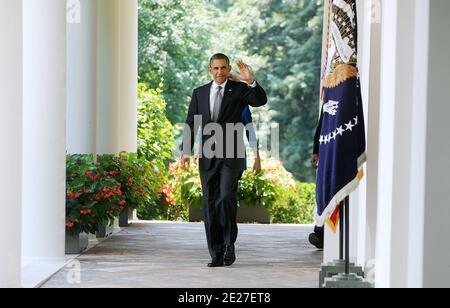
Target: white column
[(358, 198), (436, 271), (400, 140), (82, 78), (11, 141), (418, 146), (128, 10), (44, 73), (371, 96), (108, 81), (117, 76), (386, 142)]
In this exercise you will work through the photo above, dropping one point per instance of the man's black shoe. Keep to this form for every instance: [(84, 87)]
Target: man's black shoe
[(230, 256), (316, 240), (217, 262)]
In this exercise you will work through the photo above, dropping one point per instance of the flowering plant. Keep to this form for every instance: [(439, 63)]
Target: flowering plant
[(183, 190), (274, 171), (139, 180), (256, 189), (94, 197), (268, 186)]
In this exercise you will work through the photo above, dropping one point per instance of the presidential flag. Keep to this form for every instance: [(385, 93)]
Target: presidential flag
[(342, 138)]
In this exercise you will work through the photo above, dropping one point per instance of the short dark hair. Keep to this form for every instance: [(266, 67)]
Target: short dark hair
[(219, 56)]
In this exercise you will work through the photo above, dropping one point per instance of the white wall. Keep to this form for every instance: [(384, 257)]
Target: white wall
[(436, 272), (11, 141)]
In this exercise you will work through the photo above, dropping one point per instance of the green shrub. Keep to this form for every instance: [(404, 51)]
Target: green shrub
[(155, 145), (257, 189), (297, 206), (155, 132)]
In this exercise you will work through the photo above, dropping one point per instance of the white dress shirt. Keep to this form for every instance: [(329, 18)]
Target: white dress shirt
[(213, 95)]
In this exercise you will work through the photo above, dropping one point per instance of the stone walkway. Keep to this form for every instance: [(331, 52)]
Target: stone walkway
[(174, 255)]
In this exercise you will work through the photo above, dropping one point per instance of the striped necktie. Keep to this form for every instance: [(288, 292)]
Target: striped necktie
[(217, 104)]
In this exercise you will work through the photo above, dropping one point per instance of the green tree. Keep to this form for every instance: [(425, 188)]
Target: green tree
[(172, 41), (289, 35)]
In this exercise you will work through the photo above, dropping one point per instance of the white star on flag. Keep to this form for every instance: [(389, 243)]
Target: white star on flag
[(349, 126)]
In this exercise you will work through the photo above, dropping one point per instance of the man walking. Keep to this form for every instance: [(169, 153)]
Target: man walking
[(317, 237), (219, 104)]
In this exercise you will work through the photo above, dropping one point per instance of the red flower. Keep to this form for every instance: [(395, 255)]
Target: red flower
[(73, 195), (70, 224)]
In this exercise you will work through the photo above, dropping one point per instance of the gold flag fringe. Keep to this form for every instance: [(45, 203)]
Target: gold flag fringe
[(340, 74)]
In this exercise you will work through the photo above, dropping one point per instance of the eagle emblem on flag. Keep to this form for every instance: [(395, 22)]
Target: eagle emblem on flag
[(342, 150)]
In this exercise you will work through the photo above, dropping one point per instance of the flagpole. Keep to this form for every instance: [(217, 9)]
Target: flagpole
[(341, 231), (347, 235)]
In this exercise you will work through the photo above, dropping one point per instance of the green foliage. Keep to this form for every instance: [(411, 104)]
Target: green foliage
[(172, 44), (155, 144), (289, 35), (296, 206), (184, 191), (255, 189), (155, 133)]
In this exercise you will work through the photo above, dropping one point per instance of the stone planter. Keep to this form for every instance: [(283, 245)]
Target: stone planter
[(196, 213), (104, 231), (76, 244), (124, 217), (246, 214), (253, 214)]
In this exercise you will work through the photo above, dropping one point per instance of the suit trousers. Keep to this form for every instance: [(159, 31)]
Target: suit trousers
[(219, 186)]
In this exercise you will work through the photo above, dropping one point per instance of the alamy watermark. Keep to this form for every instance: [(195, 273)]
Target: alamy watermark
[(373, 11), (227, 141), (73, 11), (74, 272)]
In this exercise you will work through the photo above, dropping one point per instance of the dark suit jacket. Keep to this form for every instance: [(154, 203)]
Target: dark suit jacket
[(236, 96)]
